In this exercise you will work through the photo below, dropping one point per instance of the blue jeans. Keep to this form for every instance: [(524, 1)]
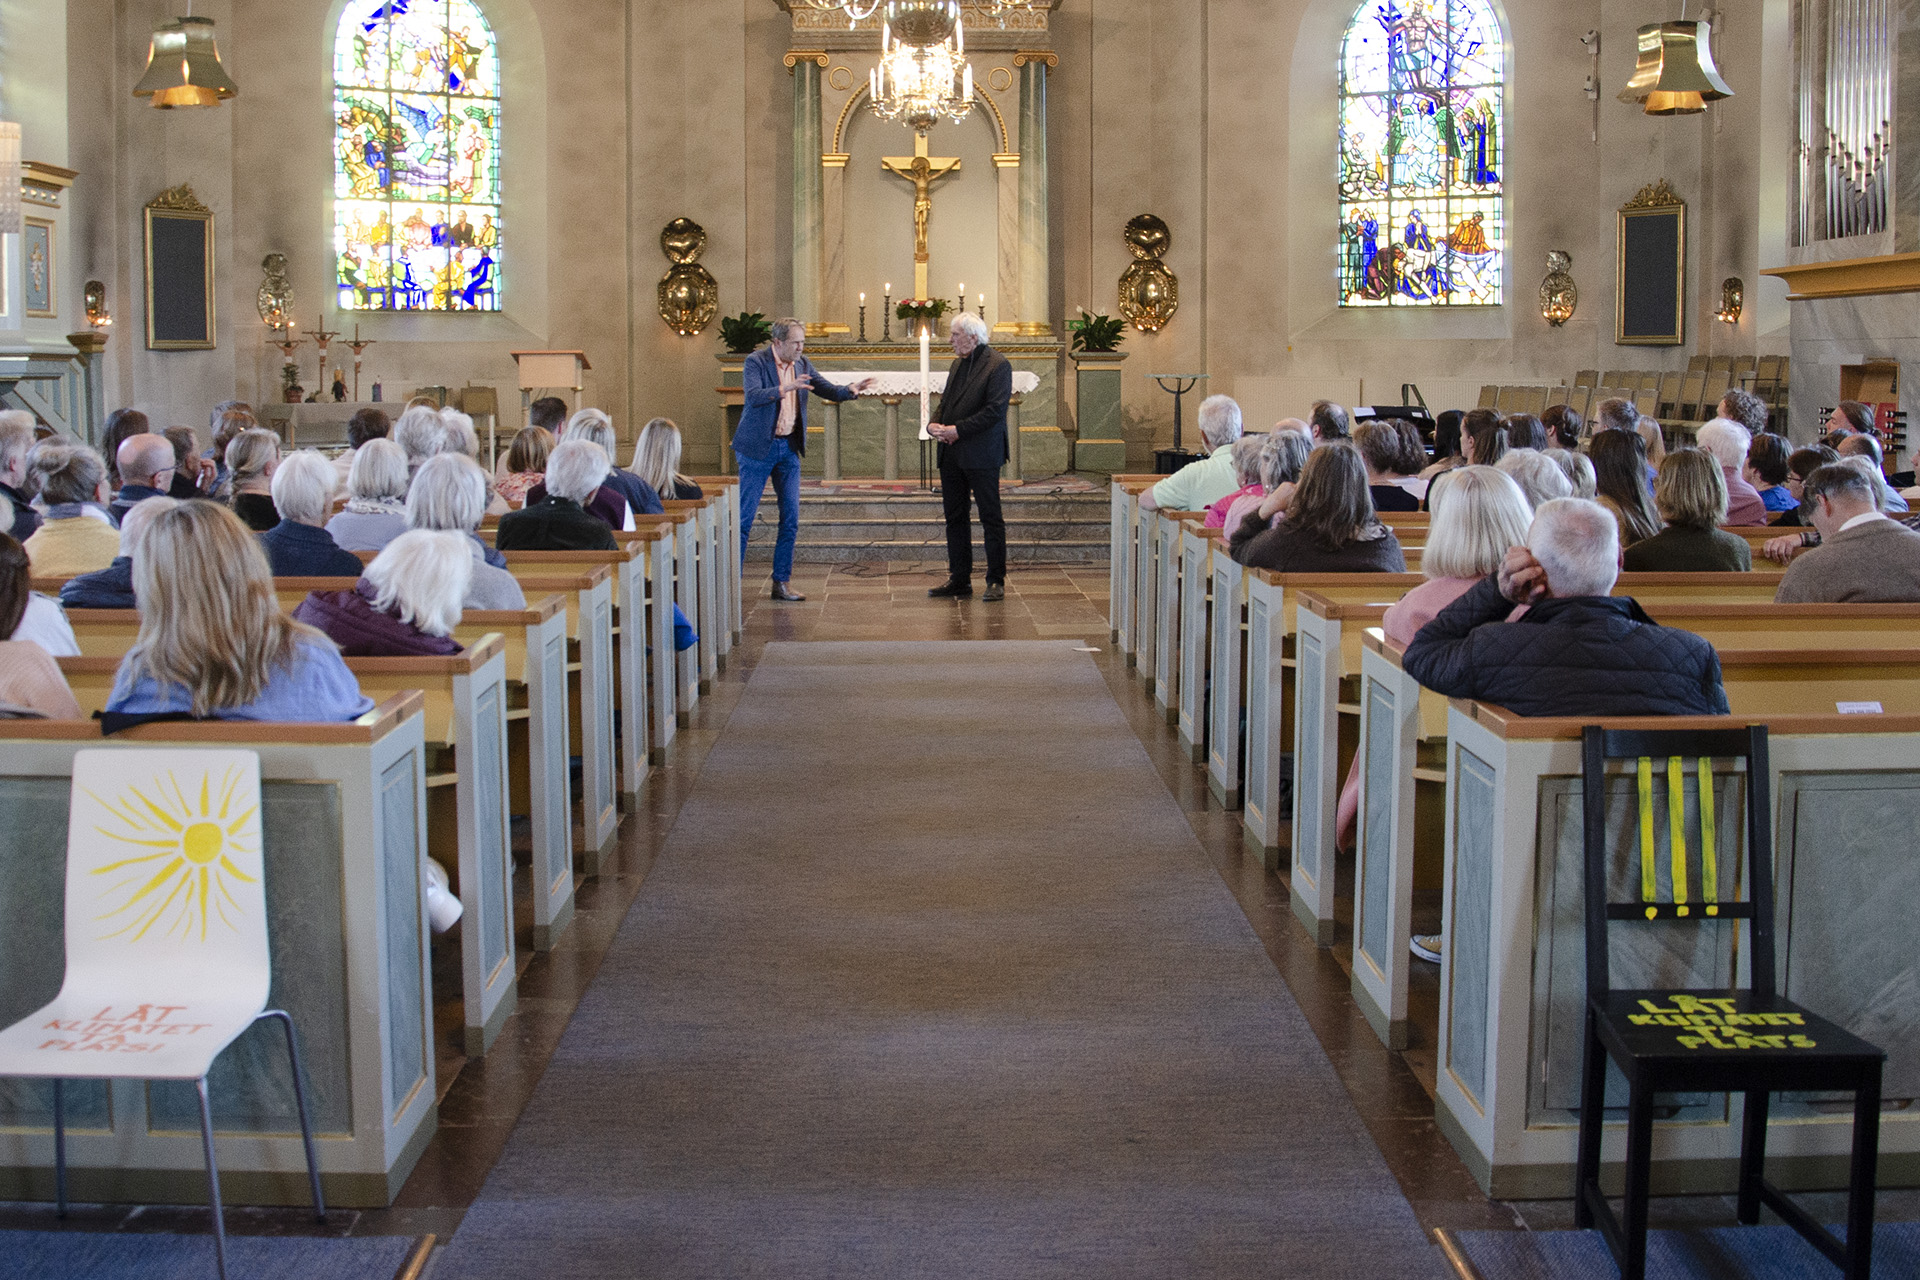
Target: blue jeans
[(783, 465)]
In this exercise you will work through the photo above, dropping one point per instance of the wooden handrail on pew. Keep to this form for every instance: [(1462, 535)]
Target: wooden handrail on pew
[(1512, 995), (344, 825), (464, 707)]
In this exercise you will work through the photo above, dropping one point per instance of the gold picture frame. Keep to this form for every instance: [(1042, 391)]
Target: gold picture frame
[(40, 263), (1650, 269), (180, 282)]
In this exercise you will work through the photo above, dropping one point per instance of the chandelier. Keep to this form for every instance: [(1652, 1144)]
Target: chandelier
[(856, 10), (923, 76)]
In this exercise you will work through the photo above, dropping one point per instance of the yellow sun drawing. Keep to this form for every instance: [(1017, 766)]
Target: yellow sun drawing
[(185, 884)]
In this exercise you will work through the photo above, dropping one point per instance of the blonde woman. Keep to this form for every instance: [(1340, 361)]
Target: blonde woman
[(406, 605), (1578, 470), (595, 426), (1691, 494), (213, 642), (656, 460), (252, 458)]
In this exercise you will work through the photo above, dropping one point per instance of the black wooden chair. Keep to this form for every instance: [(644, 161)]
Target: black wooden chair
[(1749, 1041)]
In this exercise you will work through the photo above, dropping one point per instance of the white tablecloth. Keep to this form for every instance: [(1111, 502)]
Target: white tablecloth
[(894, 382)]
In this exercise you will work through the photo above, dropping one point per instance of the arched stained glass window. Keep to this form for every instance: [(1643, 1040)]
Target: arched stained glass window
[(416, 180), (1420, 160)]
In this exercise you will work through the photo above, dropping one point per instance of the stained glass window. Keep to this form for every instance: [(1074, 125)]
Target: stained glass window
[(1420, 160), (416, 179)]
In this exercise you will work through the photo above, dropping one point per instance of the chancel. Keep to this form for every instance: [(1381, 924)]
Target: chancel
[(1432, 796)]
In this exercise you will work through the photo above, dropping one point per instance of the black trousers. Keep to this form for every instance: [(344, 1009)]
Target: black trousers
[(983, 487)]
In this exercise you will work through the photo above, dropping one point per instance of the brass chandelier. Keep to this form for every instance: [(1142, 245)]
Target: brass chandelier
[(923, 76)]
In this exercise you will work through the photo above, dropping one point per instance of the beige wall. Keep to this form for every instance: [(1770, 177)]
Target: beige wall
[(1215, 114)]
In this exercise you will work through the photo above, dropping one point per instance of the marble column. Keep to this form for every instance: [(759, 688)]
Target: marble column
[(1035, 308), (809, 202), (1007, 303)]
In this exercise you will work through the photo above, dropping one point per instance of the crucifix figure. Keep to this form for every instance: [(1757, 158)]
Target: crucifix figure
[(922, 171)]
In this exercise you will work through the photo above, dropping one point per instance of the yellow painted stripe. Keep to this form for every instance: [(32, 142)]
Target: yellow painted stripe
[(1677, 828), (1709, 869), (1646, 832)]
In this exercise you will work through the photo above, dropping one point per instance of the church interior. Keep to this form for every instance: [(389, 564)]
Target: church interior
[(507, 771)]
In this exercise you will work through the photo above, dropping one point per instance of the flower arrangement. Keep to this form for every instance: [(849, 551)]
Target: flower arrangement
[(922, 312)]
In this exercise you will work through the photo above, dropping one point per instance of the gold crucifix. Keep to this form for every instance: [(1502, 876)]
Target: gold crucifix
[(922, 171)]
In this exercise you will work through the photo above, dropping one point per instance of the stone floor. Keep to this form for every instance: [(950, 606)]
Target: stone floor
[(482, 1098)]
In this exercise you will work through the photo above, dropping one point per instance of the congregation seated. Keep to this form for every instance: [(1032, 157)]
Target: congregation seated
[(1620, 483), (1199, 484), (1328, 422), (1393, 464), (1330, 526), (421, 434), (1691, 495), (1576, 466), (1576, 651), (376, 510), (1850, 417), (656, 460), (1744, 407), (450, 496), (369, 423), (31, 685), (193, 475), (1478, 512), (595, 425), (1449, 430), (121, 426), (77, 536), (228, 419), (16, 451), (300, 546), (145, 465), (1563, 426), (41, 621), (1648, 429), (1524, 431), (405, 605), (1865, 444), (1246, 466), (526, 465), (1863, 557), (560, 521), (1728, 442), (213, 642), (1483, 440), (1801, 463), (1282, 455), (252, 458), (112, 587), (1539, 477), (1767, 471)]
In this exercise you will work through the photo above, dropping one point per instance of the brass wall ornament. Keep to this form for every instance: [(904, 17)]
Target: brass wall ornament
[(1149, 293), (1558, 295), (689, 295), (1733, 297), (275, 299)]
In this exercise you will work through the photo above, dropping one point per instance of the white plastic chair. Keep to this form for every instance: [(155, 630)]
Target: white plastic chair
[(166, 926)]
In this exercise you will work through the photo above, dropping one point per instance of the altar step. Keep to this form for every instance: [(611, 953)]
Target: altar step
[(1070, 528)]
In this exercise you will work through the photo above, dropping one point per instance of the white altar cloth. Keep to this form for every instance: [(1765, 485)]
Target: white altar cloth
[(906, 383)]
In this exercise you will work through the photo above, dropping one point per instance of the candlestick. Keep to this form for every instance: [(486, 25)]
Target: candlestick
[(983, 306), (863, 317), (963, 299), (886, 314)]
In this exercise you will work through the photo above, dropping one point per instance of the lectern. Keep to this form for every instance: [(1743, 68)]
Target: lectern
[(542, 370)]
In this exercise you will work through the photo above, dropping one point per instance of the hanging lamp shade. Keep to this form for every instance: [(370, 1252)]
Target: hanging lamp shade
[(183, 66), (1675, 75)]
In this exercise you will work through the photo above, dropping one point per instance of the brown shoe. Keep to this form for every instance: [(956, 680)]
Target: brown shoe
[(995, 591), (783, 592)]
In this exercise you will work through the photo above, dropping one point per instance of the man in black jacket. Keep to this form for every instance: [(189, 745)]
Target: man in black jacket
[(1577, 651), (560, 521), (972, 431)]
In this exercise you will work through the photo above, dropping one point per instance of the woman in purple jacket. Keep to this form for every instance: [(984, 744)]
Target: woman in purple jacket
[(406, 604)]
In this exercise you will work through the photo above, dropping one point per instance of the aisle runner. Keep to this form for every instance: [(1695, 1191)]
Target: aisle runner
[(932, 979)]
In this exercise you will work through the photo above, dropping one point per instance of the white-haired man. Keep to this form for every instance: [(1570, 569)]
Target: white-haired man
[(972, 431), (1576, 651), (1728, 442), (1199, 485), (300, 546)]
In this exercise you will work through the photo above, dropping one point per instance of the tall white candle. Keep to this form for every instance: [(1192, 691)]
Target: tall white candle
[(926, 379)]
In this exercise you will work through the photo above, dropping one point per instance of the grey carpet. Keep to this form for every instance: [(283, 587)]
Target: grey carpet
[(932, 979), (84, 1255)]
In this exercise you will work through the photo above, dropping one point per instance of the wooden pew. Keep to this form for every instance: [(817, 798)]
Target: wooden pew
[(1122, 570), (464, 712), (686, 593), (1512, 987), (702, 557), (344, 823), (727, 577), (1160, 665), (661, 671)]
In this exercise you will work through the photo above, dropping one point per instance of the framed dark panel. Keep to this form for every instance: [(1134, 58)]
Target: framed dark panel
[(1650, 280), (180, 298)]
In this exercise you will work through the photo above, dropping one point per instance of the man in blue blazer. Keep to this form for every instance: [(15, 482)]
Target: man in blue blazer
[(772, 437)]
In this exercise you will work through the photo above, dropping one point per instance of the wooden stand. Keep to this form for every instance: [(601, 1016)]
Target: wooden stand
[(544, 370)]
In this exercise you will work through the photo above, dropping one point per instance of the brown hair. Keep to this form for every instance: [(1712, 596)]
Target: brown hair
[(1524, 431), (15, 585), (120, 426), (1690, 491), (1332, 507), (1615, 414), (530, 449), (1489, 441), (1858, 416), (1768, 455), (228, 425), (1563, 421), (210, 622), (185, 444), (1620, 476), (367, 424), (1805, 461), (1380, 444)]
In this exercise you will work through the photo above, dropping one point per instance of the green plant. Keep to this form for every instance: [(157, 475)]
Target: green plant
[(744, 332), (289, 375), (1096, 332)]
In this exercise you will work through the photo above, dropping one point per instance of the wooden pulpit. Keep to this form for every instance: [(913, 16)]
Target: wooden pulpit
[(547, 370)]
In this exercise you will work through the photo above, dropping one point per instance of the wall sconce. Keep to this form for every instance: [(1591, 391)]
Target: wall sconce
[(1732, 295), (95, 296), (1558, 296)]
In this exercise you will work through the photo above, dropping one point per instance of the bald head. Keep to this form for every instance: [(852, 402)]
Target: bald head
[(143, 457)]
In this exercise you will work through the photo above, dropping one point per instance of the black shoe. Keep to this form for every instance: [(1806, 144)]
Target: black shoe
[(995, 591), (952, 589), (781, 591)]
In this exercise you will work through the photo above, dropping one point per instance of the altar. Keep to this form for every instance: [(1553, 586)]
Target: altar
[(867, 437)]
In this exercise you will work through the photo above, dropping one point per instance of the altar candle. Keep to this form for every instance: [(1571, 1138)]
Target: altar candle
[(926, 379), (863, 299)]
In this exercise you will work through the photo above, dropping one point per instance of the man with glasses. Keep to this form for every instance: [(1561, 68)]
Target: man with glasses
[(146, 471)]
